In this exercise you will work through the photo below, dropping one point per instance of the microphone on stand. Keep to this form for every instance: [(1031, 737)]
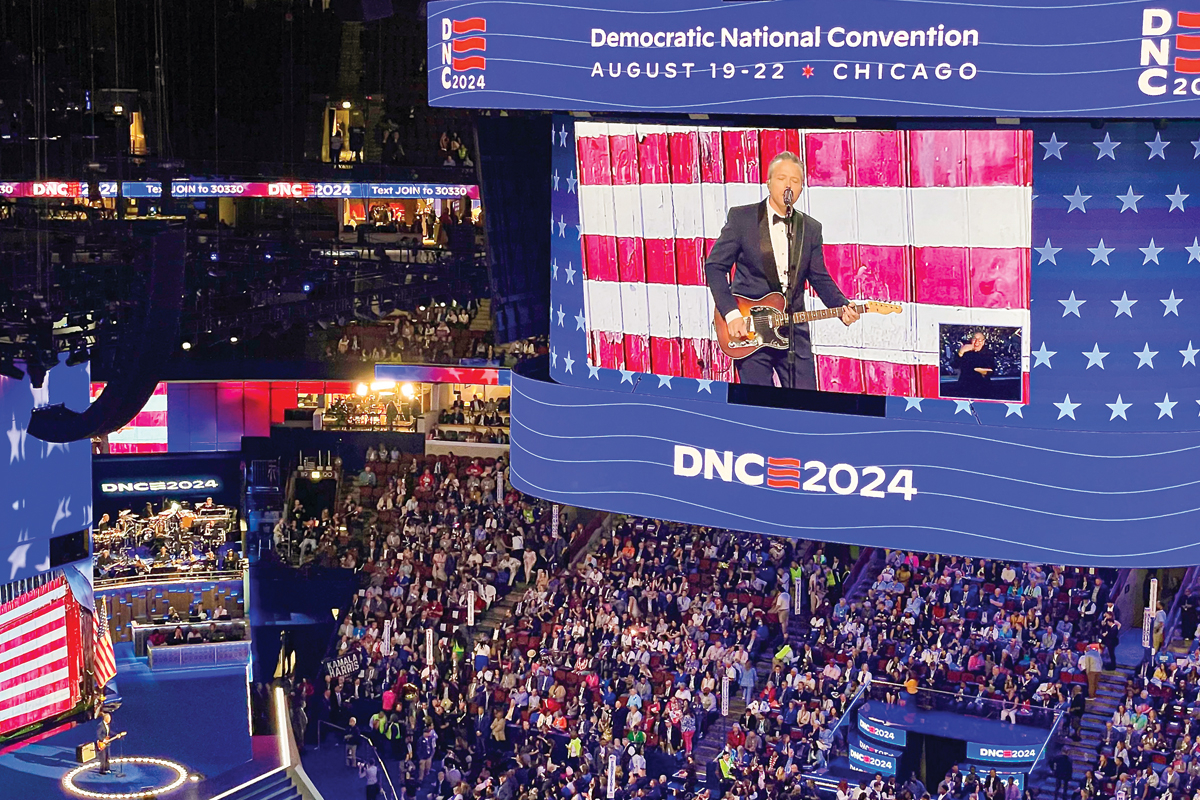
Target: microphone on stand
[(788, 199)]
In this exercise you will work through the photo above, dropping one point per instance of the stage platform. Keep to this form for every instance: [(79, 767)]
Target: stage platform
[(952, 725), (197, 718)]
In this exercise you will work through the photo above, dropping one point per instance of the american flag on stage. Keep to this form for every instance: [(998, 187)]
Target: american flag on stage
[(104, 661), (40, 655), (147, 431), (938, 221)]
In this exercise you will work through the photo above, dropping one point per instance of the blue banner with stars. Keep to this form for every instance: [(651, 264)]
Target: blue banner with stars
[(1115, 269), (45, 488), (917, 58)]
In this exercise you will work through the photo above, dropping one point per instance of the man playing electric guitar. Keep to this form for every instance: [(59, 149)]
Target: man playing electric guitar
[(104, 739), (755, 238)]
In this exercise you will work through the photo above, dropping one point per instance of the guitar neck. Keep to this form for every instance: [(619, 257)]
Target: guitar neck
[(824, 313)]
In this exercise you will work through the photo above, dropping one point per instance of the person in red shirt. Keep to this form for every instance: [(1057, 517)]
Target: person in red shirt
[(736, 737)]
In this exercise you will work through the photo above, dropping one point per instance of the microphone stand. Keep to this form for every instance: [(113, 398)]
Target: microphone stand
[(791, 293)]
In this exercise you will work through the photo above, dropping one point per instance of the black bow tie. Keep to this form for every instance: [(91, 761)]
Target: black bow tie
[(775, 218)]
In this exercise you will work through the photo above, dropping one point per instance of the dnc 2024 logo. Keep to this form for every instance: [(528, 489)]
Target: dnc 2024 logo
[(1162, 73), (462, 47)]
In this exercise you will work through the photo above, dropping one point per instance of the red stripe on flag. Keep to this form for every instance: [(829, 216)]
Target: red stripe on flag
[(472, 25), (1187, 66), (623, 151), (469, 63), (469, 44), (684, 150), (148, 419), (780, 483)]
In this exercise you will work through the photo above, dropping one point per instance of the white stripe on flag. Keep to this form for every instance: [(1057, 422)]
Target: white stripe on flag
[(140, 434), (37, 703), (42, 681), (33, 645), (29, 607), (41, 661), (56, 615)]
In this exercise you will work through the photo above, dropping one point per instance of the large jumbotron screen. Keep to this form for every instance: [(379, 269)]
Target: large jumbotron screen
[(928, 230)]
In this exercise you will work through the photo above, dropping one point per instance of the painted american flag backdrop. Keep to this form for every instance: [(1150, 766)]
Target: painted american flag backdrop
[(147, 431), (41, 655), (938, 221)]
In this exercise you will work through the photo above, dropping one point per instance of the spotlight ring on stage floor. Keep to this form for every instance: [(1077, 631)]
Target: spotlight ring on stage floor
[(69, 785)]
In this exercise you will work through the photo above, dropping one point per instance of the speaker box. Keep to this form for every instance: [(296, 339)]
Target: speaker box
[(85, 752)]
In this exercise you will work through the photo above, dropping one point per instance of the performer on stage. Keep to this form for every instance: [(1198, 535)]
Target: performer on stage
[(103, 740), (755, 238)]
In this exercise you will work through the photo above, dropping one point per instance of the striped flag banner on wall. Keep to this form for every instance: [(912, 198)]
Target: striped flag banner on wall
[(938, 221), (41, 655), (147, 431)]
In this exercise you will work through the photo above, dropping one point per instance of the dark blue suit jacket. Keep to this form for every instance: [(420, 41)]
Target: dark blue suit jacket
[(746, 241)]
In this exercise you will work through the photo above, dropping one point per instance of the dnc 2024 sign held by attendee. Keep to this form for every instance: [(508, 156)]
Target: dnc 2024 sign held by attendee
[(856, 57)]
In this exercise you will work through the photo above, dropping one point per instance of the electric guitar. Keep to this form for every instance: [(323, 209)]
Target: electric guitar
[(102, 744), (766, 315)]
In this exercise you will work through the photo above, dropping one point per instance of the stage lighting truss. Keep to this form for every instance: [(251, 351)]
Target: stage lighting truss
[(181, 776)]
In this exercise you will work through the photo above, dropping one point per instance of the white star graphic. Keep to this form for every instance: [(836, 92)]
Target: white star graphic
[(627, 376), (1043, 356), (1193, 250), (1151, 252), (562, 225), (1071, 305), (963, 405), (1146, 357), (16, 442), (1189, 355), (1095, 358), (571, 272), (562, 136), (568, 362), (1118, 409), (1171, 304), (913, 402), (1107, 147), (52, 446), (1066, 408), (1053, 147), (572, 182), (64, 511), (1129, 200), (41, 396), (578, 231), (553, 357), (1157, 147), (593, 372), (1100, 252), (1196, 144), (1177, 200), (1077, 200), (664, 380), (554, 180), (580, 322), (17, 559), (553, 267), (1047, 253), (703, 386), (561, 316), (1014, 408), (552, 224), (1167, 407), (1124, 306)]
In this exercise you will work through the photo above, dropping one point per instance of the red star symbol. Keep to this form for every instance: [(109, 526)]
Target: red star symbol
[(808, 71)]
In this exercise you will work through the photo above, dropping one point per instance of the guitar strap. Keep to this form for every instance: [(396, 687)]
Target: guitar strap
[(767, 250)]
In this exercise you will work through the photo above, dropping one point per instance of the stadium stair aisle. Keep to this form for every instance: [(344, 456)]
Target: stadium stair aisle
[(482, 321), (1099, 710), (278, 787)]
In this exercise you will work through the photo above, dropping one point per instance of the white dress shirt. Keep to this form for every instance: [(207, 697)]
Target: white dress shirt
[(779, 244)]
